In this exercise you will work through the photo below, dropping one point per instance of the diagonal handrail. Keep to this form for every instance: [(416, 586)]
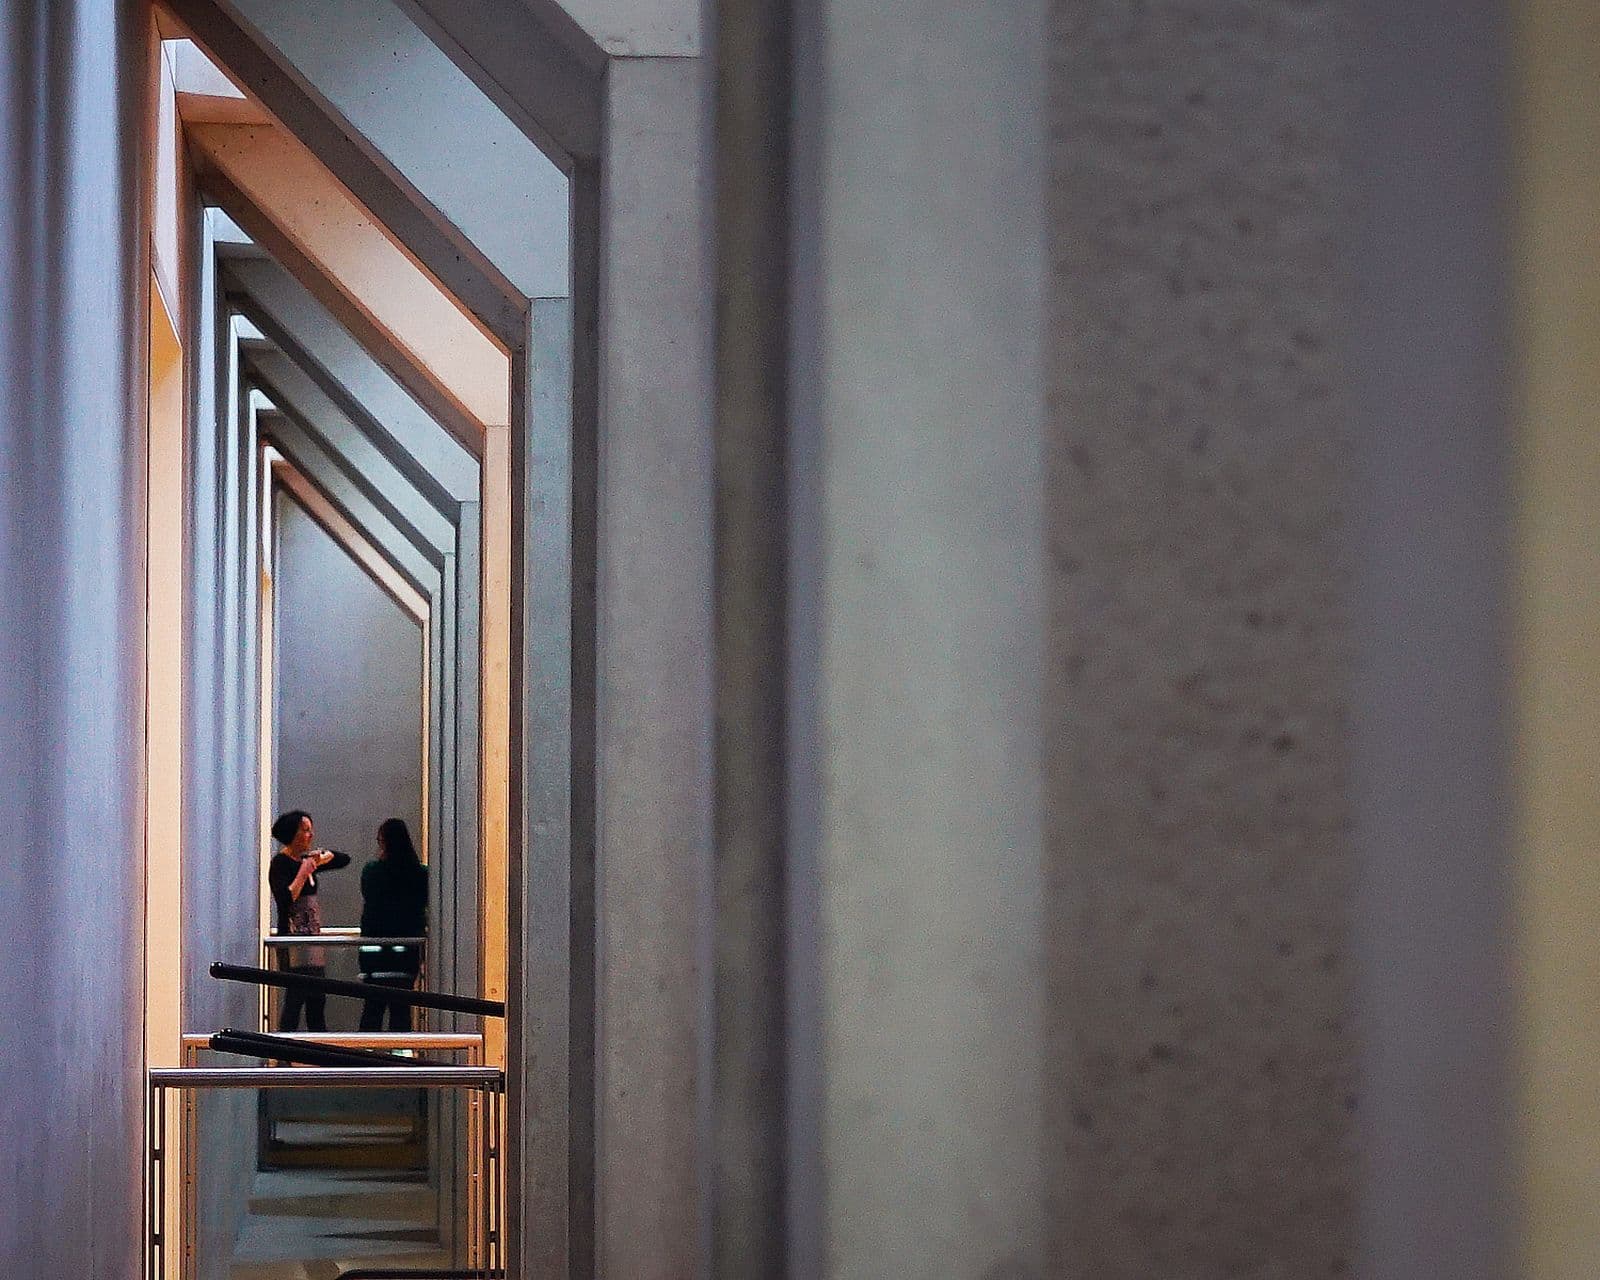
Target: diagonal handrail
[(361, 990), (254, 1044)]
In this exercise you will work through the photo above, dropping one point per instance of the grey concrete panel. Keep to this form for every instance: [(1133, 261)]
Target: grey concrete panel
[(916, 625), (72, 617), (408, 102), (654, 660), (1203, 1112), (296, 394), (532, 61), (235, 427), (434, 461), (314, 462), (250, 823), (360, 327), (222, 831), (349, 671), (1430, 716), (582, 828), (204, 893), (751, 217), (550, 1046), (234, 44)]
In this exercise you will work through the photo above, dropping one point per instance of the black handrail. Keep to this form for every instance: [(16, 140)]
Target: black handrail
[(252, 1044), (361, 990)]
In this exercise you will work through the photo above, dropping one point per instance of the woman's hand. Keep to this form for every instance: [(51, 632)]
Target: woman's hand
[(323, 857)]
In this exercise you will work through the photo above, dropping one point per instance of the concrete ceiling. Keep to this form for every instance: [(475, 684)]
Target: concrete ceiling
[(377, 70)]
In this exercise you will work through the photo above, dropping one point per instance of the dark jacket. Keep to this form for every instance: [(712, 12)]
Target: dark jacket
[(394, 904)]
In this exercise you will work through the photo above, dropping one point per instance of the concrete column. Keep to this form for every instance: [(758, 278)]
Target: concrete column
[(915, 632), (550, 1048), (203, 912), (653, 670), (235, 441), (1202, 1043), (750, 158), (1432, 708), (72, 372), (221, 889)]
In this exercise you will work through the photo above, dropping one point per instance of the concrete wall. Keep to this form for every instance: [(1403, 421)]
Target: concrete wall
[(1204, 1095), (349, 702), (73, 81), (222, 827)]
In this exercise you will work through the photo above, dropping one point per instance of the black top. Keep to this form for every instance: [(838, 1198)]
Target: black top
[(281, 872), (394, 904)]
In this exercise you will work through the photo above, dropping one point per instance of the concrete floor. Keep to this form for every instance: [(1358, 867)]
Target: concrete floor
[(309, 1224)]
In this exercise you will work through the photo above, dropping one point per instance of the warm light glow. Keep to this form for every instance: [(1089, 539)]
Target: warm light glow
[(163, 831), (495, 722)]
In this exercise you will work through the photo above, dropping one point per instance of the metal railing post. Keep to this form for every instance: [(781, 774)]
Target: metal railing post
[(481, 1086)]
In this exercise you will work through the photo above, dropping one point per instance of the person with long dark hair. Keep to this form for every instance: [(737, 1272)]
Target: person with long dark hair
[(394, 904), (292, 878)]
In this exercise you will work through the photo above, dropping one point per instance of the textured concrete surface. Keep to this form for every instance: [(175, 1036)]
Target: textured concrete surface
[(73, 84), (748, 1073), (550, 1049), (1430, 721), (1205, 1093), (917, 615), (222, 829), (653, 662), (406, 99)]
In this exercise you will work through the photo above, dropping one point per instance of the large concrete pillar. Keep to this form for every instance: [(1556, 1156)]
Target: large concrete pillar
[(72, 593), (550, 1052), (915, 634), (1202, 1038), (1432, 716), (652, 672), (203, 913)]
